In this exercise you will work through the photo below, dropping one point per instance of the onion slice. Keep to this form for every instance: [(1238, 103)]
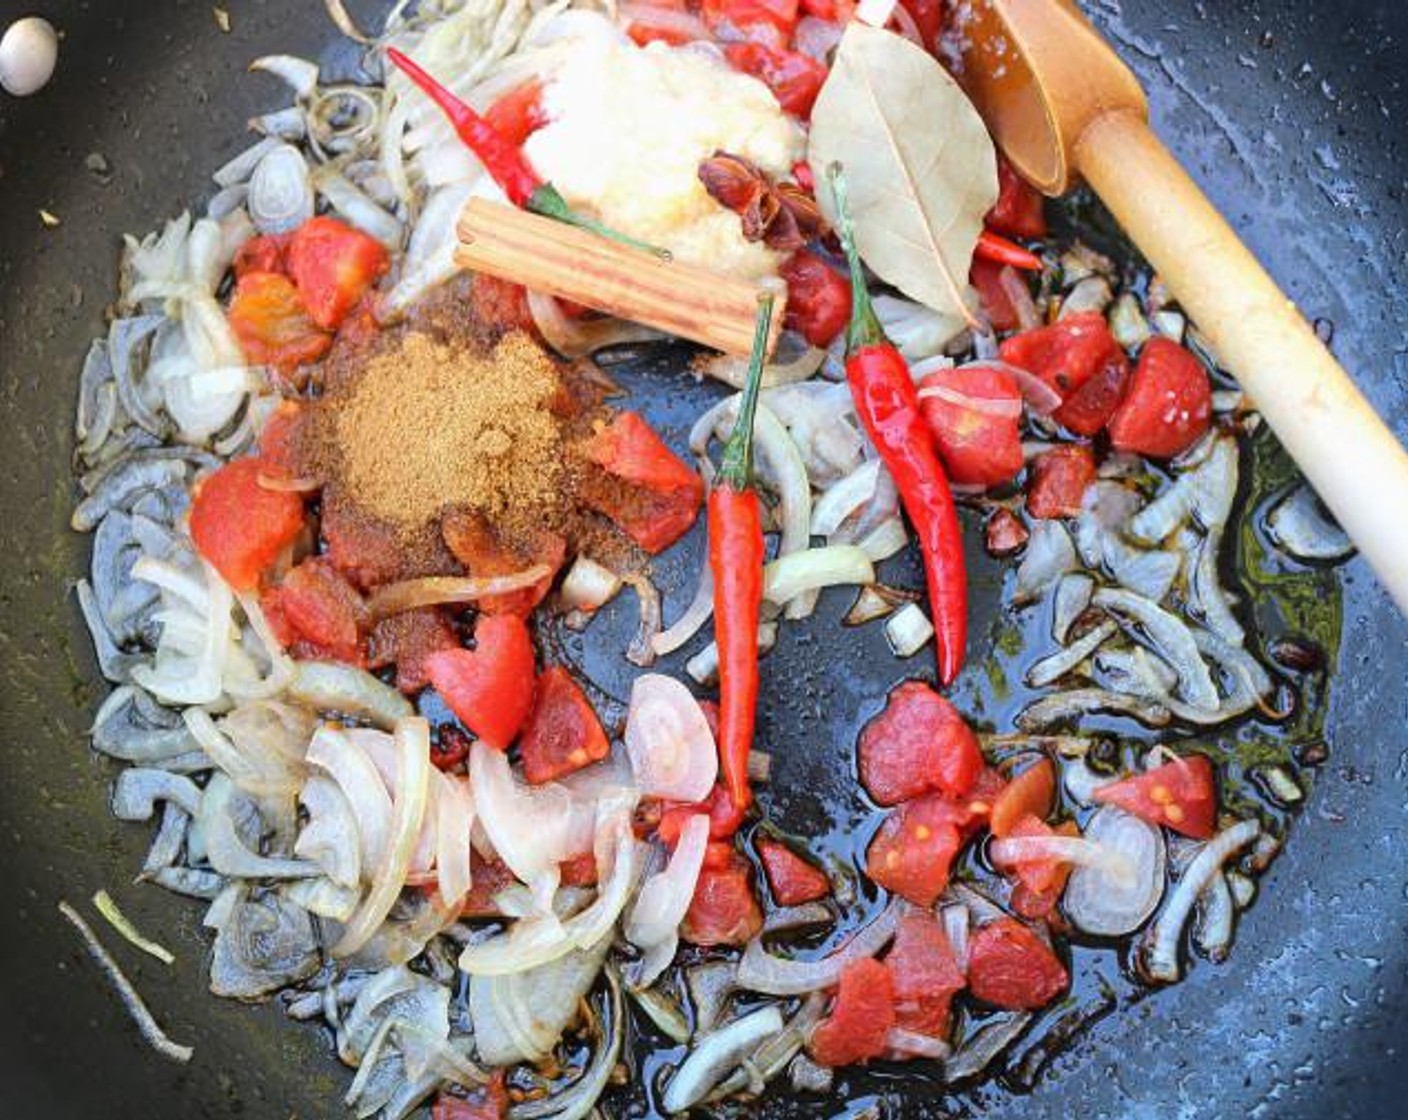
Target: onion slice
[(815, 568), (1077, 850), (717, 1055), (430, 591), (1110, 901), (668, 739), (1005, 408), (665, 897), (760, 971)]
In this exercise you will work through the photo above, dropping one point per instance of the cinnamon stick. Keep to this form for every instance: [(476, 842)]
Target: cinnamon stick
[(547, 256)]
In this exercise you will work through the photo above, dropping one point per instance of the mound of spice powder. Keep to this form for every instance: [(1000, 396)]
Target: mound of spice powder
[(427, 426)]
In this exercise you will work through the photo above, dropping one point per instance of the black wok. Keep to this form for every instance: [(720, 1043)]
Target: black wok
[(1290, 112)]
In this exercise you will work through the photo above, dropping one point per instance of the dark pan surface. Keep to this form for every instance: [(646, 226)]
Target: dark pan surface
[(1289, 112)]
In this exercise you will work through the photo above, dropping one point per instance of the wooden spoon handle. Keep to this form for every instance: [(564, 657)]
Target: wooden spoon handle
[(1346, 451)]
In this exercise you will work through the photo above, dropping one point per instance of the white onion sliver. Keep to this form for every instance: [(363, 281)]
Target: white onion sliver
[(668, 739), (908, 630), (917, 1045), (694, 617), (815, 568), (454, 822), (844, 497), (1003, 407), (531, 828), (1064, 849), (356, 775), (760, 971), (1108, 905), (664, 898)]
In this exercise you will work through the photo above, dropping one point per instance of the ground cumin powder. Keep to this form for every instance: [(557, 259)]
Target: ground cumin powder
[(428, 426)]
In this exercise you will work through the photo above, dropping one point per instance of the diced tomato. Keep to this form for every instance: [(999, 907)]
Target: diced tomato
[(662, 23), (1060, 478), (1169, 403), (1030, 792), (333, 265), (719, 855), (1039, 881), (487, 1102), (648, 490), (519, 113), (724, 817), (794, 79), (281, 441), (781, 14), (860, 1018), (365, 551), (818, 298), (918, 744), (793, 880), (928, 16), (1080, 359), (925, 974), (562, 733), (322, 608), (913, 851), (724, 910), (271, 324), (241, 526), (1181, 794), (833, 11), (489, 688), (986, 277), (979, 448), (981, 798), (1020, 211), (478, 546), (802, 175), (261, 254), (497, 306), (406, 640), (1009, 966), (488, 877), (579, 871), (1004, 532), (450, 747)]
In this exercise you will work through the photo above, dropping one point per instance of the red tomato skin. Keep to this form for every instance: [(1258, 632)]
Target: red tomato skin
[(333, 266), (271, 324), (240, 526), (724, 817), (918, 744), (261, 254), (833, 11), (724, 910), (860, 1018), (1010, 967), (818, 298), (579, 871), (978, 449), (323, 608), (1169, 404), (1032, 792), (985, 276), (1040, 876), (781, 14), (475, 544), (792, 879), (281, 441), (406, 640), (489, 688), (488, 1102), (519, 113), (1020, 211), (913, 851), (562, 733), (1004, 532), (1181, 794), (488, 878), (1067, 355), (651, 494), (795, 79), (1060, 478), (925, 974), (499, 306)]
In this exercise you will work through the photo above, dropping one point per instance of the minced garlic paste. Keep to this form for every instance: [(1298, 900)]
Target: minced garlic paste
[(629, 127)]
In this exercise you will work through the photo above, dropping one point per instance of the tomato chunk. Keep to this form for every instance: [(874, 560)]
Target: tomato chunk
[(323, 609), (724, 910), (261, 254), (781, 14), (793, 880), (563, 733), (918, 744), (478, 546), (1169, 404), (519, 113), (1181, 794), (487, 1102), (241, 526), (1009, 966), (1060, 478), (913, 851), (1030, 793), (406, 640), (818, 298), (928, 16), (1039, 881), (646, 489), (281, 442), (488, 877), (1080, 359), (489, 688), (925, 974), (978, 447), (986, 277), (794, 79), (860, 1018), (724, 816), (271, 324), (333, 265), (367, 552), (1020, 211)]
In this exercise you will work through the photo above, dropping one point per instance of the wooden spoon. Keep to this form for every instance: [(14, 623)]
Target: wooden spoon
[(1062, 106)]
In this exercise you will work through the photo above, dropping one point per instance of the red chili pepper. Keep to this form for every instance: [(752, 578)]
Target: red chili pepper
[(503, 159), (736, 558), (889, 407), (998, 249)]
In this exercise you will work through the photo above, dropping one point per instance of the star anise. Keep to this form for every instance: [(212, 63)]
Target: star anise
[(781, 215)]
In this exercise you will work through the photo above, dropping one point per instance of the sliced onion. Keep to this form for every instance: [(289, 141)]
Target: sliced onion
[(843, 498), (330, 838), (531, 827), (226, 852), (815, 568), (1110, 902), (732, 368), (577, 338), (664, 898), (430, 591), (589, 586), (885, 540), (1006, 408), (955, 919), (1041, 398), (1077, 850), (356, 775), (454, 822), (331, 686), (408, 811), (760, 971), (668, 739), (1014, 287), (817, 38), (694, 617), (1049, 556), (716, 1057), (281, 190), (908, 630), (1171, 637), (915, 1045)]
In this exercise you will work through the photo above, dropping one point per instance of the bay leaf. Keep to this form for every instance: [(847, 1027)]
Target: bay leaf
[(919, 164)]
